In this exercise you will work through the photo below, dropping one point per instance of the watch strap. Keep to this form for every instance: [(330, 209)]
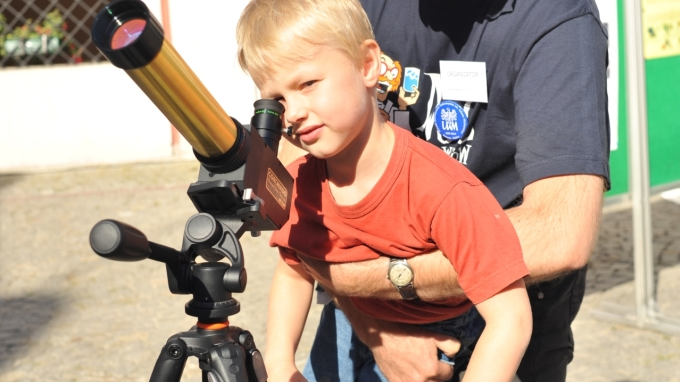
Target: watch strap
[(408, 292)]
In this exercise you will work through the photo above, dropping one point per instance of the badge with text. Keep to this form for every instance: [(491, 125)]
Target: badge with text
[(451, 120), (464, 81)]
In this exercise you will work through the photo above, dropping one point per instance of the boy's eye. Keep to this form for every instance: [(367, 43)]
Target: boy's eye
[(308, 83)]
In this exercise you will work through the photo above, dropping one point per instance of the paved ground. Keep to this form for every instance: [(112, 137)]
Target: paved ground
[(68, 315)]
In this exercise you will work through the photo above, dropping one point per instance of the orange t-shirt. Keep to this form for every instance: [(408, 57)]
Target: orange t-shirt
[(424, 201)]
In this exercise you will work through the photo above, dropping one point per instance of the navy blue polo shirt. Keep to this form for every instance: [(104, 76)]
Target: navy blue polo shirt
[(546, 66)]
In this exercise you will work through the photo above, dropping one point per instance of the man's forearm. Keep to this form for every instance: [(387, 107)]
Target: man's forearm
[(435, 278), (358, 279), (557, 224)]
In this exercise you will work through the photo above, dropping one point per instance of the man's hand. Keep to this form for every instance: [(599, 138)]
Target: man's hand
[(404, 353), (407, 353)]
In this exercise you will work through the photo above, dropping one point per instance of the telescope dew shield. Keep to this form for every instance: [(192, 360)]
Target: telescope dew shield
[(133, 40)]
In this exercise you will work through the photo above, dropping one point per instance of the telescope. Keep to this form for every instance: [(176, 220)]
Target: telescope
[(241, 187)]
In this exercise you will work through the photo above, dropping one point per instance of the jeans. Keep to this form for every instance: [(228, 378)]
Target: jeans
[(338, 355)]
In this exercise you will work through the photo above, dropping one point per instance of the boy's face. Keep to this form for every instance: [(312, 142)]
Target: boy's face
[(329, 100)]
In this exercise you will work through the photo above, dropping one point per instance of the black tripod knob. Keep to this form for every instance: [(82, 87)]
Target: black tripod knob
[(211, 302)]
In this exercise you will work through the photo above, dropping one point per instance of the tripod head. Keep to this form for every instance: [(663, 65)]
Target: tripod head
[(241, 187), (228, 205)]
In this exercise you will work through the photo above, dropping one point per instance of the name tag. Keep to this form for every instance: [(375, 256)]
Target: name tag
[(464, 81)]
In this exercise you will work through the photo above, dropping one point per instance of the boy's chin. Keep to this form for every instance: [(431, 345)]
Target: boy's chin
[(319, 154)]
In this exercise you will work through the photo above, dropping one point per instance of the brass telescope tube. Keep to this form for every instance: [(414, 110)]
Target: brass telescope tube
[(132, 39)]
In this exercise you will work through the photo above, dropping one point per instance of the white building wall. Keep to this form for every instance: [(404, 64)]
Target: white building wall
[(86, 114)]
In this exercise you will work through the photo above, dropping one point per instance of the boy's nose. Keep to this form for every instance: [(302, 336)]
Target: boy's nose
[(296, 112)]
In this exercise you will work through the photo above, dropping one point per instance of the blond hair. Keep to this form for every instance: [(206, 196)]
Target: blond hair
[(277, 32)]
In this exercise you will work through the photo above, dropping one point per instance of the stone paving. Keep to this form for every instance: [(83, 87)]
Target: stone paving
[(68, 315)]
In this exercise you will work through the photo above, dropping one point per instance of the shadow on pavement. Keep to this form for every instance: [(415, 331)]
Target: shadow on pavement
[(612, 264), (22, 319), (7, 180)]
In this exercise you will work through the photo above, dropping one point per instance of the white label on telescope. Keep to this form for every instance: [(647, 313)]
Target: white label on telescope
[(276, 188)]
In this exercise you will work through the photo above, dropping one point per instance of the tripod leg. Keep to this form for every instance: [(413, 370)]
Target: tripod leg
[(237, 361), (232, 362), (227, 363), (171, 362)]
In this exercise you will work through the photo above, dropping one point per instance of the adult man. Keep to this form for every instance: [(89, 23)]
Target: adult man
[(540, 144)]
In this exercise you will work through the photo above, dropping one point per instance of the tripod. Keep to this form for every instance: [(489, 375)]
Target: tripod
[(226, 197), (225, 353)]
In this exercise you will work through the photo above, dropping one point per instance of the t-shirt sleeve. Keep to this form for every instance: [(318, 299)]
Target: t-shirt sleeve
[(289, 256), (475, 234), (561, 103)]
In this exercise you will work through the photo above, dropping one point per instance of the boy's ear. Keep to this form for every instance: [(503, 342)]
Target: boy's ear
[(371, 64)]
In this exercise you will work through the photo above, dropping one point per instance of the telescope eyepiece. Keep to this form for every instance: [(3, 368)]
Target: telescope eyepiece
[(267, 121)]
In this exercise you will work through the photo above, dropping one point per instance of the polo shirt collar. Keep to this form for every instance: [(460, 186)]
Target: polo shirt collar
[(500, 7)]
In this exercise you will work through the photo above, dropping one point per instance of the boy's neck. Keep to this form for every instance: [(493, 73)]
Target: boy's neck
[(353, 175)]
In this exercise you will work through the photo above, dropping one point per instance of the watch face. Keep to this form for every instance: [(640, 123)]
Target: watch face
[(401, 275)]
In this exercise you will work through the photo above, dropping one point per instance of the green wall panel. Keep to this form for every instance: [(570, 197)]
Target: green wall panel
[(663, 119), (618, 159), (663, 116)]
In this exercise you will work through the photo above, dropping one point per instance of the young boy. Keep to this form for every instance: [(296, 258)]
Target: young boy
[(363, 191)]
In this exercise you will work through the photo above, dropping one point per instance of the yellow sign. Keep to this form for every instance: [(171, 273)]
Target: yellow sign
[(661, 28)]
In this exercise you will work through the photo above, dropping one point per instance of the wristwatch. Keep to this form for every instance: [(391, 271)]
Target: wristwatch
[(400, 275)]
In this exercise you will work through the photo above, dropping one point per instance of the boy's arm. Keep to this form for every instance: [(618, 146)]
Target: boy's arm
[(289, 300), (505, 336)]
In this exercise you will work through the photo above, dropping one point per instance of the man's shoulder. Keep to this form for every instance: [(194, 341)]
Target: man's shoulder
[(553, 9), (542, 16)]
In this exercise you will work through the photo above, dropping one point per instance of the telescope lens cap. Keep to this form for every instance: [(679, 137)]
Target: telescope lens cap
[(105, 237)]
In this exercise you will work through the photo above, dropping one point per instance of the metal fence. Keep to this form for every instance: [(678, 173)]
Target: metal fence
[(47, 32)]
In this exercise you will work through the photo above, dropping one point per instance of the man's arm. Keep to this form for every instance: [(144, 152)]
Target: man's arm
[(557, 226), (435, 277)]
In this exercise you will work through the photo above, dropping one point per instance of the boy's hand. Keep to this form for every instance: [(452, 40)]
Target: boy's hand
[(279, 372)]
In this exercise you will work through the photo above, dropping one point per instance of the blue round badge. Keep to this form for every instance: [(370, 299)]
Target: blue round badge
[(451, 120)]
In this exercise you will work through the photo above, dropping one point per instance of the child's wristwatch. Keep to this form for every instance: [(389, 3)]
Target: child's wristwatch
[(400, 275)]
